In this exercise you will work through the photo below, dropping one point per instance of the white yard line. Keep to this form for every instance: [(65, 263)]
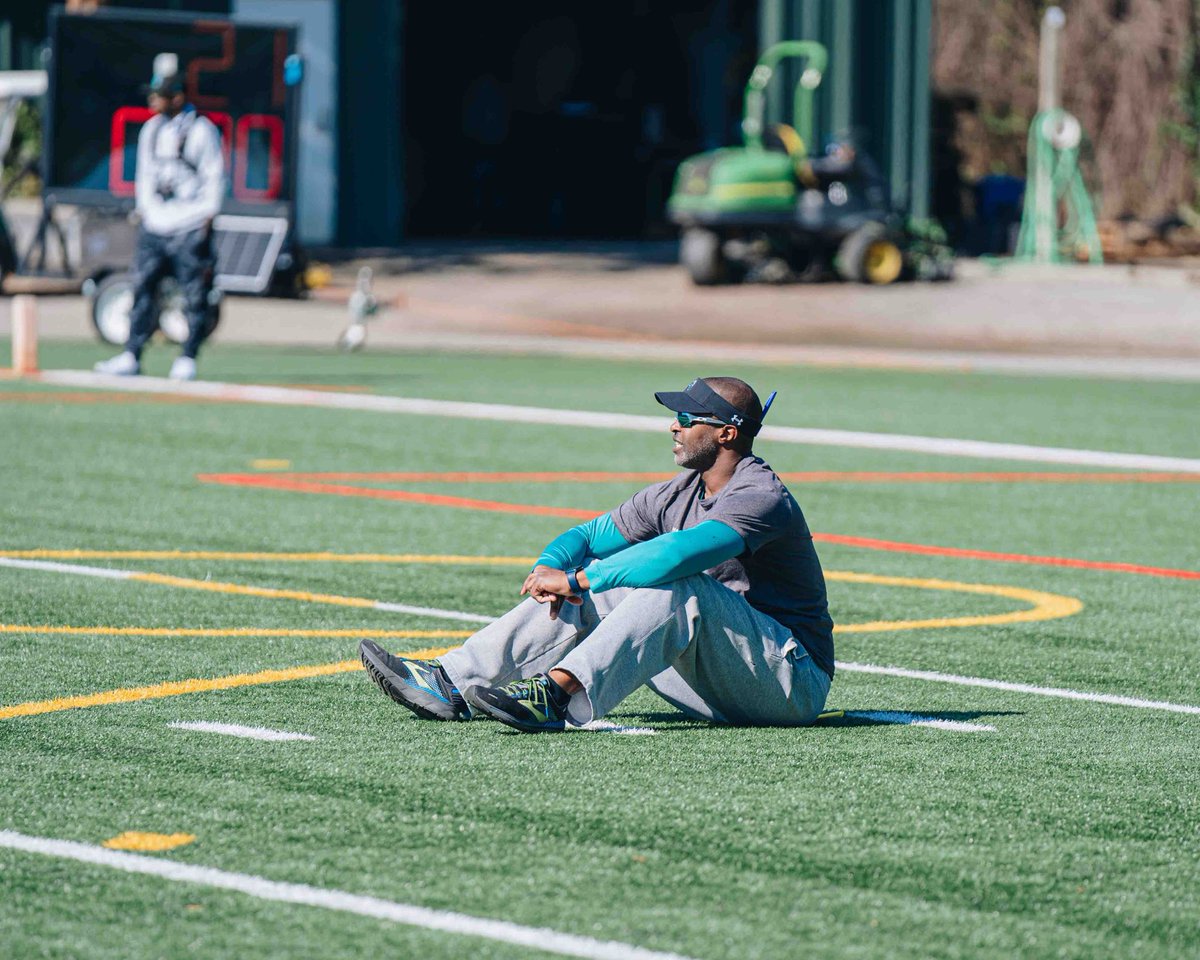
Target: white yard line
[(916, 720), (237, 730), (50, 567), (287, 396), (433, 612), (931, 675), (606, 726), (502, 931), (1018, 687)]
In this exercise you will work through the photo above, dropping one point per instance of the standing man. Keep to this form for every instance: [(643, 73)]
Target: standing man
[(705, 588), (179, 183)]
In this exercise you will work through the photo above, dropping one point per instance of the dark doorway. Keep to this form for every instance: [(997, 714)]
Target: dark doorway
[(545, 119)]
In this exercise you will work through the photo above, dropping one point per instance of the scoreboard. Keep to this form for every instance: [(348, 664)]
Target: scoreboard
[(241, 76)]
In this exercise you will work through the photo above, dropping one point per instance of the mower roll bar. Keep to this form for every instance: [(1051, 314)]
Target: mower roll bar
[(815, 58)]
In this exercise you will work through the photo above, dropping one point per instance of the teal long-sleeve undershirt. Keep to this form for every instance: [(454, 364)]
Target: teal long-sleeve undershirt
[(618, 563), (599, 537)]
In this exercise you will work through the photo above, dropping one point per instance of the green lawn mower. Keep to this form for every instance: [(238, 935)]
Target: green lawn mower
[(770, 211)]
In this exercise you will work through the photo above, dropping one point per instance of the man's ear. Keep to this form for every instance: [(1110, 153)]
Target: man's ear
[(728, 434)]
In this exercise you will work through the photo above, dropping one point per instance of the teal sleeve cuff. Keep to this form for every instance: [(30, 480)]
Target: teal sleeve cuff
[(599, 537), (671, 556)]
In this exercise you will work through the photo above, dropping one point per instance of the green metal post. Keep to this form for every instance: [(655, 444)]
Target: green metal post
[(772, 28), (922, 66), (807, 18), (899, 115), (841, 85)]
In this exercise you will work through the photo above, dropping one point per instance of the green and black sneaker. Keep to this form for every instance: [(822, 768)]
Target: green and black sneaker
[(421, 685), (536, 705)]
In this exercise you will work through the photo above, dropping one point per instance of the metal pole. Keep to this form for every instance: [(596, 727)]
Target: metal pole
[(841, 68), (899, 108), (1048, 99), (922, 65)]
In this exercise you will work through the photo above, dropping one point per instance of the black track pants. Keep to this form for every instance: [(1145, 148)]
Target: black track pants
[(188, 257)]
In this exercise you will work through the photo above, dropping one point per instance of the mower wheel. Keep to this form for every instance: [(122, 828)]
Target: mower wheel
[(700, 253), (112, 305), (870, 255)]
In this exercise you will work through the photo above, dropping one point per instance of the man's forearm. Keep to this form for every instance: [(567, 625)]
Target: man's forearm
[(599, 537)]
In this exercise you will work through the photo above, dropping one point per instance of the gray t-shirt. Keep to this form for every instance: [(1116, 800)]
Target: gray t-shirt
[(778, 573)]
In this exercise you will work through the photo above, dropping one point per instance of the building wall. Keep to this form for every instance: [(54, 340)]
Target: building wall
[(317, 167), (370, 157), (876, 86)]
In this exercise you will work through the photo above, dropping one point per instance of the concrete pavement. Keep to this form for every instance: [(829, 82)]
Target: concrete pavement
[(629, 299)]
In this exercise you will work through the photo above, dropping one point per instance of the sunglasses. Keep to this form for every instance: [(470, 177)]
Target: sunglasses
[(686, 420)]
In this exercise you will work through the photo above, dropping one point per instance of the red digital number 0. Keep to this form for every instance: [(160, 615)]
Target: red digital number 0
[(122, 119), (274, 129)]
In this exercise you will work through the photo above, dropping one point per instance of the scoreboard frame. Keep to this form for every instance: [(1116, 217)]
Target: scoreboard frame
[(207, 47)]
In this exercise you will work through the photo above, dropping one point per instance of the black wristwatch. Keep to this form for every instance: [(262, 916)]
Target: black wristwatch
[(573, 582)]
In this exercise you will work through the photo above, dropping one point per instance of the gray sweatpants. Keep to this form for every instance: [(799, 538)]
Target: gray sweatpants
[(694, 642)]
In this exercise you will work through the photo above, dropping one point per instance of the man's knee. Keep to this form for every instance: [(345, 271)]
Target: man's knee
[(672, 594)]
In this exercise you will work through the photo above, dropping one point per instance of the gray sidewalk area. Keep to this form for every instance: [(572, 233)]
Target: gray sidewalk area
[(631, 300)]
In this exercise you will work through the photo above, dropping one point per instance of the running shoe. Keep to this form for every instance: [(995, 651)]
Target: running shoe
[(535, 705), (421, 685)]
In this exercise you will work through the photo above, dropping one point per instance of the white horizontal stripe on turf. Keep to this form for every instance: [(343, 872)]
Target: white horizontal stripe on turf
[(606, 726), (503, 931), (433, 612), (916, 720), (51, 567), (237, 730), (287, 396), (1018, 687)]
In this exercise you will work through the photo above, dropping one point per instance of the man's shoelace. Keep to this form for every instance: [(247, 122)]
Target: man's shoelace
[(517, 688)]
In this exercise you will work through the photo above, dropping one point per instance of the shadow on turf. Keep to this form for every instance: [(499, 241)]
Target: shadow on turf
[(961, 716), (665, 721)]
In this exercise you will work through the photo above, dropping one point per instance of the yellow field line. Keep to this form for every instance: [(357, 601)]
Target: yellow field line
[(216, 586), (285, 557), (177, 688), (1045, 606)]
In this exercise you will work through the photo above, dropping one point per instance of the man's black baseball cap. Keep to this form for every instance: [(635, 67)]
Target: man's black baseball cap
[(698, 397)]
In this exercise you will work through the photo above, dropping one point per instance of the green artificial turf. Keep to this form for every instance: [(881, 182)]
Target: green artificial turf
[(1069, 831)]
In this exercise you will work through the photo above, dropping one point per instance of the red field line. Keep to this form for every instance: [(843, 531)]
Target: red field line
[(576, 476), (812, 476), (877, 476), (290, 481), (895, 546), (84, 397), (285, 482)]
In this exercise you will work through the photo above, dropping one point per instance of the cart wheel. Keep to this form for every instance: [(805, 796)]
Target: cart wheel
[(112, 305), (869, 255), (700, 253)]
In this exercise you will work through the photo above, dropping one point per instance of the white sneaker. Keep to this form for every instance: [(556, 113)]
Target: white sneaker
[(184, 368), (122, 365)]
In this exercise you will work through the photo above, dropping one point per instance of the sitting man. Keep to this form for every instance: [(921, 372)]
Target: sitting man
[(705, 588)]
